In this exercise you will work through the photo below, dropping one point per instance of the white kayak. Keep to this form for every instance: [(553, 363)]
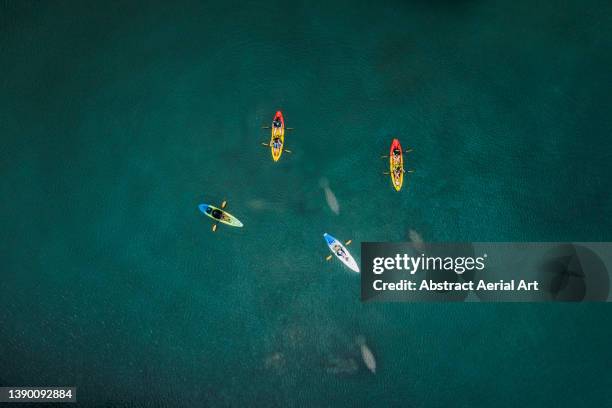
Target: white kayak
[(341, 252)]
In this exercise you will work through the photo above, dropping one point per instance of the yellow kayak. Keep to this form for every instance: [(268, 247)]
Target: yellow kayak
[(277, 139), (396, 165)]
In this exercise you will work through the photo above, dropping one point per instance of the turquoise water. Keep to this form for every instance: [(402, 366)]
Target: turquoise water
[(117, 120)]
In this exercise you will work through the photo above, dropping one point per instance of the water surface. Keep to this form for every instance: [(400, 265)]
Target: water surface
[(117, 120)]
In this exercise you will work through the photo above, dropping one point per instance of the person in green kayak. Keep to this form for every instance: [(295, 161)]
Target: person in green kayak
[(218, 214)]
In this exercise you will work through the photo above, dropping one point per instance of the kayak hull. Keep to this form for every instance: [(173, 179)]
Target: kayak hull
[(334, 246), (396, 180), (277, 133), (225, 217)]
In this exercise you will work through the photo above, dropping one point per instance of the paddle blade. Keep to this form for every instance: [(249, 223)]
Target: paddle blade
[(266, 127), (408, 150), (223, 204), (287, 151), (384, 157), (386, 173), (214, 227), (348, 242), (410, 171), (328, 258), (289, 128), (265, 144)]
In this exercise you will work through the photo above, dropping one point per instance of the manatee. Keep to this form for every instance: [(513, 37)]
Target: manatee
[(416, 239), (366, 354), (275, 361), (330, 197), (341, 366)]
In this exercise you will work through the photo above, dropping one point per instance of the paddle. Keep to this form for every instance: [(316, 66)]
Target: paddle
[(348, 242), (386, 173), (268, 145), (328, 257), (214, 227), (270, 127), (386, 157)]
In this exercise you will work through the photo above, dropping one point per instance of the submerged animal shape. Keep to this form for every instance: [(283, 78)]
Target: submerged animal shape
[(366, 354), (330, 197), (416, 239), (275, 361), (341, 366), (257, 204)]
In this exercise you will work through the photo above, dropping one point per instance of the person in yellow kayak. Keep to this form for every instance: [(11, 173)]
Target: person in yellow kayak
[(397, 168), (397, 171), (276, 129), (276, 143), (396, 155)]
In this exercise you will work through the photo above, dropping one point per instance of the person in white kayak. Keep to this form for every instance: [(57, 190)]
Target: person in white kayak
[(339, 251)]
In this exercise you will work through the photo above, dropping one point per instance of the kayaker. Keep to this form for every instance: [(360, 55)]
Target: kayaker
[(276, 143), (398, 171), (339, 251), (277, 122), (217, 214)]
